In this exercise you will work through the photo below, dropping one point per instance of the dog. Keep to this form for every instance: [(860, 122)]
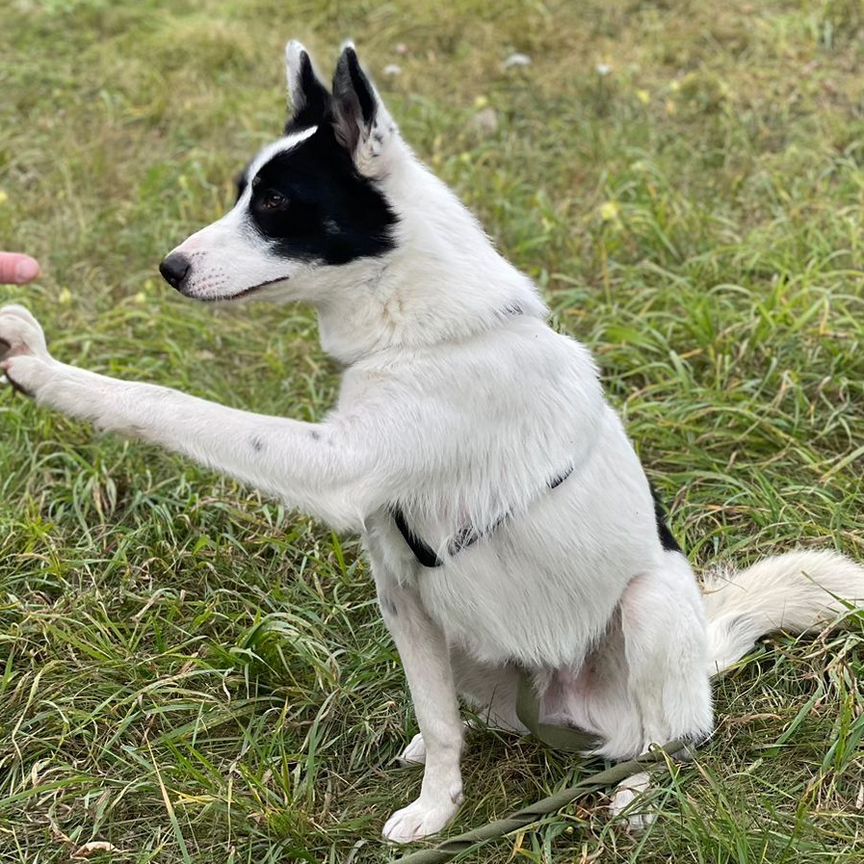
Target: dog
[(511, 529)]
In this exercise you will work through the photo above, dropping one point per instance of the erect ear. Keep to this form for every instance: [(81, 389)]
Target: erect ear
[(360, 119), (310, 99)]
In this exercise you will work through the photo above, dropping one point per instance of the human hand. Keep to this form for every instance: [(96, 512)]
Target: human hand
[(16, 269)]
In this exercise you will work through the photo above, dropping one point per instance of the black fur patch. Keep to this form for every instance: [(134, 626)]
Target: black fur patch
[(315, 100), (312, 205), (351, 79), (667, 540)]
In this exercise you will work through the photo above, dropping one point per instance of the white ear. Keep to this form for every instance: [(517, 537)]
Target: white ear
[(310, 99), (361, 121)]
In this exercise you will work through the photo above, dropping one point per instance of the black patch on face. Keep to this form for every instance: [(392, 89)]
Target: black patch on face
[(667, 540), (312, 205)]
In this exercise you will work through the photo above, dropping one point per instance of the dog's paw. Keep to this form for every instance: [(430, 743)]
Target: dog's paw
[(24, 357), (420, 819), (415, 752), (20, 333), (630, 801)]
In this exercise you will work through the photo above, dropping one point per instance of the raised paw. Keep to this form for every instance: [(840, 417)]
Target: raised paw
[(420, 819), (20, 333), (629, 800), (415, 752), (24, 356)]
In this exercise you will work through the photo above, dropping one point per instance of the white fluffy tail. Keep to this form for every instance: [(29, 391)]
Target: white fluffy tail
[(798, 591)]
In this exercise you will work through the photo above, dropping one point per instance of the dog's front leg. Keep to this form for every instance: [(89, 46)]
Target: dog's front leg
[(322, 469), (426, 660)]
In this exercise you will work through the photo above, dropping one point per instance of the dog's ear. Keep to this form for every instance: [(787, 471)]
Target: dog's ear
[(360, 120), (310, 99)]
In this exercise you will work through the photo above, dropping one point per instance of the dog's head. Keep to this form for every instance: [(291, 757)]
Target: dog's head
[(308, 202)]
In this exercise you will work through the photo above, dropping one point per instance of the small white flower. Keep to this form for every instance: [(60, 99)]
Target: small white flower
[(515, 60), (392, 69), (603, 69)]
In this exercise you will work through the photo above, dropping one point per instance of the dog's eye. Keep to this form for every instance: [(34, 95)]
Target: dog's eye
[(273, 200)]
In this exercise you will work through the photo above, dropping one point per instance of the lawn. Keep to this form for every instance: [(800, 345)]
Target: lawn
[(191, 674)]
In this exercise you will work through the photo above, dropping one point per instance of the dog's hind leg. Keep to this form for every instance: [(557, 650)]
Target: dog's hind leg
[(665, 649)]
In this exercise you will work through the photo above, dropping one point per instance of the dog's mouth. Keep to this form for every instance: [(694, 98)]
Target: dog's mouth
[(240, 294)]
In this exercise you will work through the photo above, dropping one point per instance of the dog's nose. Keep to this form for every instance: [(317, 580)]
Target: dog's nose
[(174, 269)]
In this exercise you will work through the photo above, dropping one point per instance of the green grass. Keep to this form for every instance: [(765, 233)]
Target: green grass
[(193, 675)]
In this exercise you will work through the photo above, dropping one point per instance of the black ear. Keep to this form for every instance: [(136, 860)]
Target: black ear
[(310, 100), (355, 102)]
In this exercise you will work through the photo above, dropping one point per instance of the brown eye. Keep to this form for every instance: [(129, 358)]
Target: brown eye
[(273, 200)]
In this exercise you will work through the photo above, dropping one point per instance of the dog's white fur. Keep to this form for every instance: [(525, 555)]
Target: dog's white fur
[(459, 402)]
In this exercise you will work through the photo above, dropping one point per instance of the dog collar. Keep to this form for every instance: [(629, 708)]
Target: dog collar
[(464, 537)]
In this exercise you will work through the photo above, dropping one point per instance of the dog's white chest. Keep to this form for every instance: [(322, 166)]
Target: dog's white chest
[(541, 587)]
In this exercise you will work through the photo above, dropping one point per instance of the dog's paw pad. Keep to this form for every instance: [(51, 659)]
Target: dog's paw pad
[(415, 752)]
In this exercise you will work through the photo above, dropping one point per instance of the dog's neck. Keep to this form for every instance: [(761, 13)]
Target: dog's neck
[(444, 280)]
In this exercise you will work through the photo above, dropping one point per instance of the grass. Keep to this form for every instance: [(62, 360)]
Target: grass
[(190, 674)]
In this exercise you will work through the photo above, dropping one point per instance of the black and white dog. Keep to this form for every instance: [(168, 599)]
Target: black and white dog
[(509, 524)]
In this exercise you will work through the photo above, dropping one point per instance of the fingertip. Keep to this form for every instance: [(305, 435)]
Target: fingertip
[(26, 270)]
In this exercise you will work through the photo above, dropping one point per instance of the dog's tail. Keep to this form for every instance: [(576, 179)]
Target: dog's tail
[(797, 592)]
